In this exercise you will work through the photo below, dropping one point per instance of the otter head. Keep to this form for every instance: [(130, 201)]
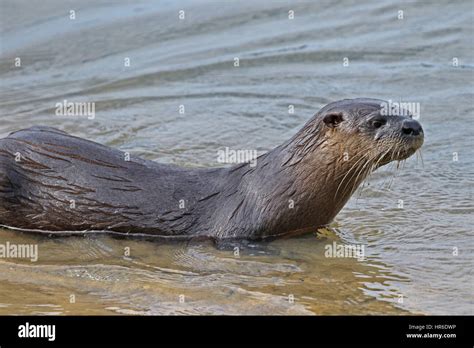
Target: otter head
[(320, 167), (371, 130)]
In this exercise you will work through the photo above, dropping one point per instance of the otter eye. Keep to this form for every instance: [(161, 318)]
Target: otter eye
[(378, 123)]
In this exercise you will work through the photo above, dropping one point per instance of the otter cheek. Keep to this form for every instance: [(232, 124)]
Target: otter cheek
[(380, 134)]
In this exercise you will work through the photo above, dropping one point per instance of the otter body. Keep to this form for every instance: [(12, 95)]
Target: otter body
[(53, 182)]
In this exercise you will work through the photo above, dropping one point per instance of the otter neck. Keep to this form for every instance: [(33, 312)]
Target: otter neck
[(302, 186)]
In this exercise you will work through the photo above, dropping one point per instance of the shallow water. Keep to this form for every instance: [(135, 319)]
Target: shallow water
[(409, 265)]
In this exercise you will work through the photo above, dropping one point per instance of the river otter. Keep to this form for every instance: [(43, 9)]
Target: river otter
[(53, 182)]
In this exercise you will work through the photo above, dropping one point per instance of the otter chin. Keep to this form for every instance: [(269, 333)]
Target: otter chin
[(55, 183)]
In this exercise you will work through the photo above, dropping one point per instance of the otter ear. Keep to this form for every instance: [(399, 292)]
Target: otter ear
[(333, 119)]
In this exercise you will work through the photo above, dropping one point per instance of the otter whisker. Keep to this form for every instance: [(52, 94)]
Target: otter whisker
[(359, 168), (393, 177), (390, 150), (359, 172), (366, 180), (421, 158), (367, 175), (396, 170), (366, 172), (364, 156), (396, 167)]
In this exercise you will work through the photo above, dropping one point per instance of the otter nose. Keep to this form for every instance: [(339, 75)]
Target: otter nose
[(411, 127)]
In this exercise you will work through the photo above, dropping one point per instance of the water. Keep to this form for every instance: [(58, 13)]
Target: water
[(411, 261)]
